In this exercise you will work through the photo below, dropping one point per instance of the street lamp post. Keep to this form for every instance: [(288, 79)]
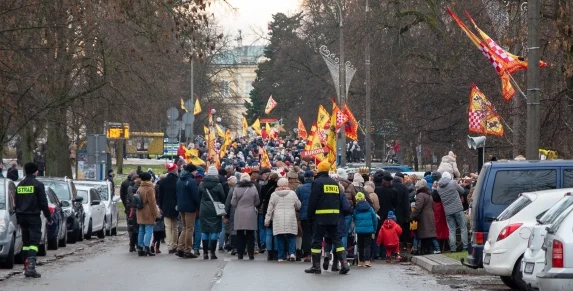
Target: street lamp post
[(368, 143)]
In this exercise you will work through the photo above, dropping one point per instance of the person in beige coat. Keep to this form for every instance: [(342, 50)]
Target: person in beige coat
[(449, 165), (283, 206), (146, 217), (369, 189)]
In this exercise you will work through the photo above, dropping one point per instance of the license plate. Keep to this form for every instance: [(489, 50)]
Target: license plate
[(529, 268), (487, 259)]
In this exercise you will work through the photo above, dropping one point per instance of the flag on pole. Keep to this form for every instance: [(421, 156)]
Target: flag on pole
[(210, 116), (351, 126), (206, 130), (301, 130), (226, 143), (322, 123), (183, 105), (331, 140), (197, 108), (310, 137), (314, 143), (245, 126), (257, 127), (482, 116), (220, 131), (271, 104), (192, 157), (340, 118), (265, 162)]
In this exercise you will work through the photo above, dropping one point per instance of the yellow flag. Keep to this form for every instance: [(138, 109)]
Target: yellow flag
[(220, 132), (197, 108), (322, 123), (331, 140), (257, 126), (183, 105), (245, 126), (226, 144), (265, 162), (192, 157)]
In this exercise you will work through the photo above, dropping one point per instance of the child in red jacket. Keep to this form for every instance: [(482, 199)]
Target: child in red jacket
[(389, 235)]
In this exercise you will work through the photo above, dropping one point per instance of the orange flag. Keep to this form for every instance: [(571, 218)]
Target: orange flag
[(310, 137), (301, 130), (265, 162), (351, 126), (482, 116), (340, 118)]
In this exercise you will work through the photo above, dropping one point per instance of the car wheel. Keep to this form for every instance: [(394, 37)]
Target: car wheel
[(114, 231), (8, 262), (42, 250), (508, 281), (101, 233), (88, 235), (73, 236), (53, 243), (107, 226), (80, 233), (518, 276), (64, 240)]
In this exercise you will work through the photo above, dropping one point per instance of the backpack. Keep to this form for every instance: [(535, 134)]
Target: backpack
[(136, 201)]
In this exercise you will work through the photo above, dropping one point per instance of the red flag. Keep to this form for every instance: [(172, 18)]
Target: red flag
[(340, 116), (351, 126)]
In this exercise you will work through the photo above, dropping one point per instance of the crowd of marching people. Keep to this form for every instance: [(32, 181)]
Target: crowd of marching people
[(246, 209)]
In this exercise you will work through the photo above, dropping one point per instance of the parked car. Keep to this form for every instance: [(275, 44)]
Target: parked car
[(499, 184), (73, 211), (10, 234), (57, 232), (396, 169), (534, 257), (509, 234), (94, 209), (109, 199), (557, 273)]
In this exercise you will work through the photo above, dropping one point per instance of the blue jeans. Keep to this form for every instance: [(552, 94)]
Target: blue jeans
[(209, 236), (262, 232), (436, 245), (144, 236), (280, 240), (222, 236), (197, 235), (271, 242), (454, 221)]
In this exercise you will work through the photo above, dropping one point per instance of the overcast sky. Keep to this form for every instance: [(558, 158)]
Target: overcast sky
[(251, 17)]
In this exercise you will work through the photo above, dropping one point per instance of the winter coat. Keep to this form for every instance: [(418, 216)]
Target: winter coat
[(450, 193), (245, 198), (424, 213), (293, 181), (365, 219), (187, 193), (345, 210), (266, 192), (449, 165), (123, 193), (282, 211), (12, 174), (387, 198), (375, 201), (402, 201), (442, 230), (230, 209), (210, 222), (150, 212), (349, 191), (389, 234), (303, 194), (168, 195)]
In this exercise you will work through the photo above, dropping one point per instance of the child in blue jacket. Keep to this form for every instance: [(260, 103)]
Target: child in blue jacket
[(365, 221)]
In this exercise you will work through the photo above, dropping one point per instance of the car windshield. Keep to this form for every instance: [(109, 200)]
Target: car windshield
[(101, 189), (554, 212), (83, 194), (60, 188), (514, 208), (3, 194)]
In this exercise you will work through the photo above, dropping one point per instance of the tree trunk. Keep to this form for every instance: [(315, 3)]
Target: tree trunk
[(27, 144), (57, 157), (119, 155)]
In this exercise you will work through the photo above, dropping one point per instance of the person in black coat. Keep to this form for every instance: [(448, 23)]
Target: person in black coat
[(387, 197), (266, 191), (167, 202), (402, 206), (12, 173)]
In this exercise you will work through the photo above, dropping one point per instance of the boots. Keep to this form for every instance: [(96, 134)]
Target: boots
[(148, 252), (31, 268), (315, 269), (326, 262), (335, 267), (205, 250), (140, 252), (213, 249), (342, 258), (269, 255), (131, 249)]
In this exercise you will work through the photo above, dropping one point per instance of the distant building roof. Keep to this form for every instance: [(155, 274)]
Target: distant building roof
[(244, 55)]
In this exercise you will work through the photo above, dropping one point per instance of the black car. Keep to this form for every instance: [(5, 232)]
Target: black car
[(57, 231), (74, 215)]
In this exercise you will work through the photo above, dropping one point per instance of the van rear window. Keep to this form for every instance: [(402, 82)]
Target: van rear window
[(508, 184)]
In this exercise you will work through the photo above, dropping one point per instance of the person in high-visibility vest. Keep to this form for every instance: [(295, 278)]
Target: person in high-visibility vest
[(323, 211)]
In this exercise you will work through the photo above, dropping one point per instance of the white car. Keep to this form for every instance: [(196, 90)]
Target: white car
[(534, 258), (94, 209), (508, 235), (108, 197)]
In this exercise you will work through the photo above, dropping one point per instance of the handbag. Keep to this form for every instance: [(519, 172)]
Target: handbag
[(219, 207)]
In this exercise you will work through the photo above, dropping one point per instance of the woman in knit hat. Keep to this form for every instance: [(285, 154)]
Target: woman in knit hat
[(210, 191), (245, 199)]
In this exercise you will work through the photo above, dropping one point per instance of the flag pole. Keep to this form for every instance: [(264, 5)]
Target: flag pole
[(516, 85)]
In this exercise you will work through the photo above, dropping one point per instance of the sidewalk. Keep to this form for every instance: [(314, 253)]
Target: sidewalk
[(440, 264)]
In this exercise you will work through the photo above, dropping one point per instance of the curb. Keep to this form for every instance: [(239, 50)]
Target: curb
[(440, 264)]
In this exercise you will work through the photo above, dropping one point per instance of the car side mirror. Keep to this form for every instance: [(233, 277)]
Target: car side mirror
[(65, 203), (95, 202), (116, 198), (79, 199)]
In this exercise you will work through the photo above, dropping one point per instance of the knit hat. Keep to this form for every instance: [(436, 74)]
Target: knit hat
[(399, 174), (171, 167), (308, 174), (391, 215), (30, 168), (387, 177), (283, 182), (245, 177), (360, 196), (421, 184), (190, 168), (212, 171), (436, 176), (358, 178), (232, 180), (324, 166), (341, 173)]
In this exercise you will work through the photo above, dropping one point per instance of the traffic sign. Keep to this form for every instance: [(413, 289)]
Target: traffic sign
[(188, 118), (172, 113)]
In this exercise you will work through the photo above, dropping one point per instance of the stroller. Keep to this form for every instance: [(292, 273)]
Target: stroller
[(351, 248)]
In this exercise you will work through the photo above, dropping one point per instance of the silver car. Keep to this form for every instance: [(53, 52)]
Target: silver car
[(109, 199), (10, 234), (558, 271)]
